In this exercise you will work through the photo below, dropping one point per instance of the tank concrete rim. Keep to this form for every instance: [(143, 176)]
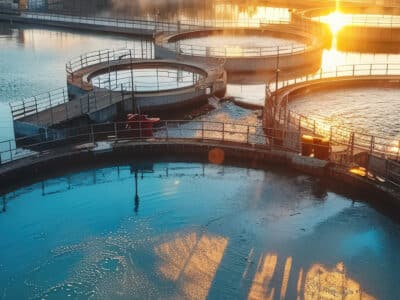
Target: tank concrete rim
[(148, 65), (350, 9), (189, 152), (92, 71), (393, 81), (287, 92), (310, 42), (357, 9)]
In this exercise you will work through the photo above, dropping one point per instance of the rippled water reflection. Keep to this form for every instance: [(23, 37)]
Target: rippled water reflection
[(372, 110), (194, 231)]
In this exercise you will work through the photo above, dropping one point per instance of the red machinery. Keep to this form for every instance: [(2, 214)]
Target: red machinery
[(141, 125)]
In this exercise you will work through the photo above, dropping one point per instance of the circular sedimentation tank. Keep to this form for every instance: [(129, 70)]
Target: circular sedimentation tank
[(352, 24), (152, 84), (248, 50)]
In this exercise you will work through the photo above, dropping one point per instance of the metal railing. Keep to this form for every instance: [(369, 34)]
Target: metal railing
[(148, 24), (128, 24), (342, 136), (52, 108), (35, 104), (356, 70), (226, 52), (373, 20), (376, 156), (172, 130), (141, 81), (348, 146), (245, 23), (108, 56)]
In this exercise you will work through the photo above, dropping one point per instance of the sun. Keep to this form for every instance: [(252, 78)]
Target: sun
[(336, 21)]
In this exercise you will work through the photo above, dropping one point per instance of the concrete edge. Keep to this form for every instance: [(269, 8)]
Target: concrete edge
[(59, 160)]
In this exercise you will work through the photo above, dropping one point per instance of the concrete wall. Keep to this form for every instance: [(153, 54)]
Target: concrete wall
[(22, 129), (59, 162), (259, 64), (151, 104)]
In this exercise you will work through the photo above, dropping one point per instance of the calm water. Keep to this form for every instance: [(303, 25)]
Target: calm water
[(196, 231), (147, 80), (236, 45)]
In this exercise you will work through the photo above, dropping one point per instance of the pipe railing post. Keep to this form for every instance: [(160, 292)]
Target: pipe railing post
[(300, 123), (372, 144), (23, 107), (10, 147), (36, 109), (51, 110), (351, 146), (91, 138), (398, 151)]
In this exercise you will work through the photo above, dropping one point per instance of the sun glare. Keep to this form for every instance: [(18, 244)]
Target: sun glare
[(336, 21)]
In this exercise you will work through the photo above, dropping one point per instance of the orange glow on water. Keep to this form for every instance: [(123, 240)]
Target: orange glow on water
[(192, 261), (322, 283), (319, 282), (260, 289)]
